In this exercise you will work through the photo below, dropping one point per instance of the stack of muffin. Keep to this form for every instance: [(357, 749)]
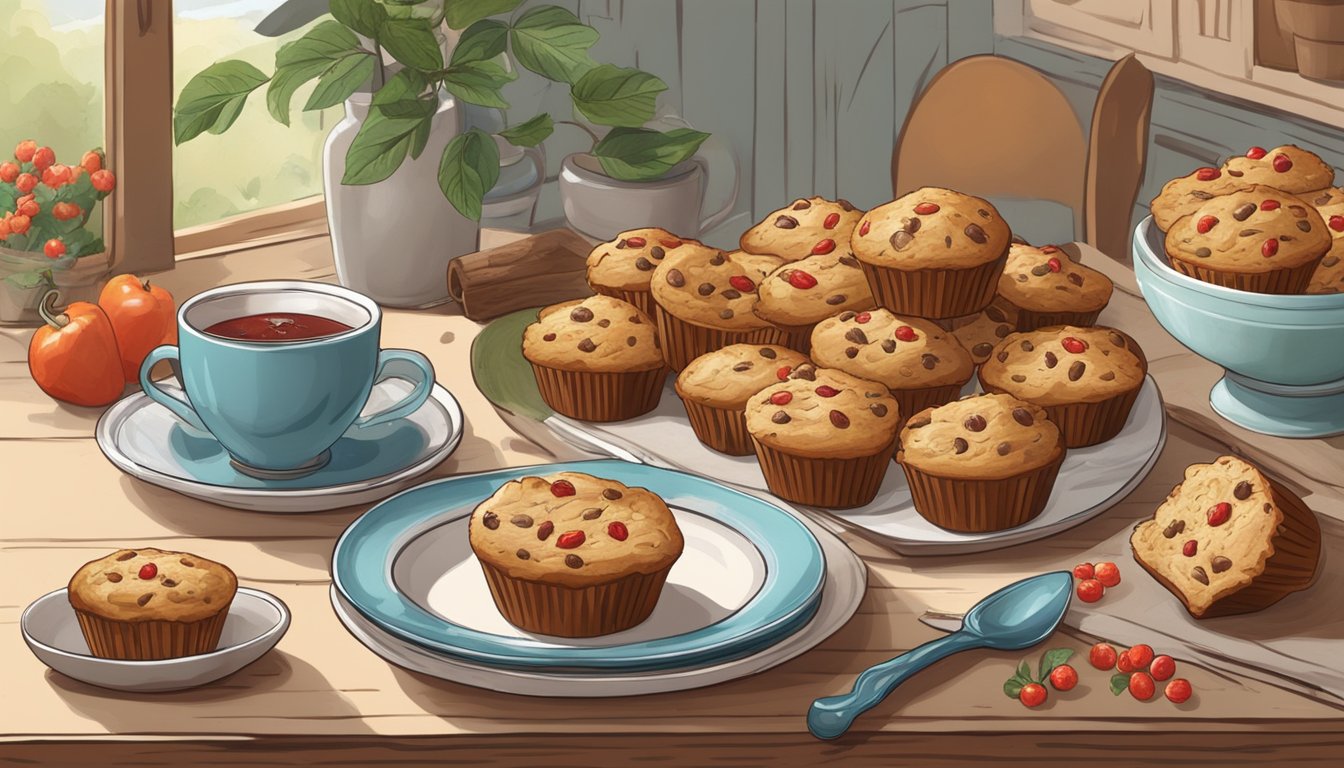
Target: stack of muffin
[(835, 336), (1268, 221)]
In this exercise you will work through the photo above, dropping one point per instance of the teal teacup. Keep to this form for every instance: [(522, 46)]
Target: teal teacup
[(277, 405)]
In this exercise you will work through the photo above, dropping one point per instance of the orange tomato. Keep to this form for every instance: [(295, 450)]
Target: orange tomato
[(74, 356), (25, 150), (92, 161), (143, 317)]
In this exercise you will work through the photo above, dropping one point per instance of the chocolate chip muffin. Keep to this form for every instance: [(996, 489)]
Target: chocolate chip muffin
[(716, 386), (1181, 196), (704, 301), (572, 555), (920, 363), (1087, 379), (1046, 287), (806, 227), (1289, 168), (1228, 541), (982, 463), (824, 437), (147, 604), (596, 359), (979, 333), (800, 294), (1258, 239), (932, 253), (622, 268), (1329, 274)]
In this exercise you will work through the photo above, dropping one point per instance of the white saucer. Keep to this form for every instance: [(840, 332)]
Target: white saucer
[(257, 620), (144, 440)]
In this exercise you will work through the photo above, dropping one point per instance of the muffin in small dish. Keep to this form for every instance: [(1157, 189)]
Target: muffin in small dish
[(1183, 195), (811, 226), (623, 267), (1288, 167), (704, 300), (800, 294), (1046, 287), (716, 386)]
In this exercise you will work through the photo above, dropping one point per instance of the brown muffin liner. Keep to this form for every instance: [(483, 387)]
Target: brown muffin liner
[(1280, 281), (913, 401), (151, 640), (682, 342), (976, 506), (641, 299), (823, 482), (1084, 424), (600, 396), (935, 293), (796, 337), (723, 429), (1028, 320), (550, 609)]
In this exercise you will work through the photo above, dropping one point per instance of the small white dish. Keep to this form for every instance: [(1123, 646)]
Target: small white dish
[(257, 620)]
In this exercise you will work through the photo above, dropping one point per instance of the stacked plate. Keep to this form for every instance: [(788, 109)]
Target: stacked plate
[(756, 585)]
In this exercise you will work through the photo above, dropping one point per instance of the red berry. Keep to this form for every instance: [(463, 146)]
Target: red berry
[(924, 209), (1282, 164), (863, 228), (104, 181), (149, 571), (905, 333), (1208, 174), (1255, 153), (1190, 548), (1140, 655), (91, 162), (781, 398), (1219, 513), (617, 530), (1205, 223), (802, 280), (666, 243), (1090, 590), (569, 539), (1162, 668), (742, 283), (636, 242), (562, 488), (1102, 656), (1054, 264), (1049, 249), (9, 172), (862, 317), (1032, 694), (43, 158), (1270, 248), (1337, 223), (27, 206), (1083, 571), (1063, 677), (1141, 686), (4, 229), (26, 182), (1269, 205), (57, 176), (831, 221), (25, 150), (54, 248), (1124, 664), (783, 372), (823, 246), (1076, 346), (1178, 691), (18, 223), (1108, 574), (825, 391)]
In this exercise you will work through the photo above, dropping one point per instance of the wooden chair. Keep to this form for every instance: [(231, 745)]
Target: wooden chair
[(997, 128)]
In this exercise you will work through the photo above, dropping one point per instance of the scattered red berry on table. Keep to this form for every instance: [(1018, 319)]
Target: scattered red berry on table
[(43, 158), (1063, 677), (103, 180), (1178, 691), (54, 248), (1108, 574), (1162, 668), (1124, 664), (25, 150), (26, 182), (1032, 694), (9, 172), (1102, 656), (1140, 655), (1083, 571), (1141, 686), (1090, 590)]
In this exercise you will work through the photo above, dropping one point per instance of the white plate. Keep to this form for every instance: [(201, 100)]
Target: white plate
[(257, 620), (145, 440)]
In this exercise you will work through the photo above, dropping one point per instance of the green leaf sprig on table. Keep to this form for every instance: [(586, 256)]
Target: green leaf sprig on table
[(1023, 677), (343, 55)]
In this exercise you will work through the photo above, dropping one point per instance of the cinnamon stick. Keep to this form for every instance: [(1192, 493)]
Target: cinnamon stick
[(542, 269)]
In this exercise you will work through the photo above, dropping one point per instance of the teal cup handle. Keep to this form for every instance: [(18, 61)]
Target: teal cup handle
[(405, 364), (180, 408)]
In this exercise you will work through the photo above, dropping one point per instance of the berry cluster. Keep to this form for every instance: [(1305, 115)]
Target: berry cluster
[(1138, 671), (1053, 667), (46, 204), (1094, 580)]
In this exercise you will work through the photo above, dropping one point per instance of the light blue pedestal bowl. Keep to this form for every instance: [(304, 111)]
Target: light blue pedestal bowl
[(1283, 355)]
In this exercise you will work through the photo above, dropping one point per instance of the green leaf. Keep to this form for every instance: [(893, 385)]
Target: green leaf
[(28, 280), (1024, 672), (1053, 658), (640, 154), (482, 41), (611, 95), (420, 138), (478, 82), (380, 147), (1013, 687), (9, 198), (340, 81), (469, 168), (406, 96), (412, 42), (530, 133), (553, 43), (212, 100), (1119, 684), (302, 60), (363, 16), (462, 13)]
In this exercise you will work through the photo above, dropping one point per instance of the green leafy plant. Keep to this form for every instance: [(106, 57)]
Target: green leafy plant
[(344, 55)]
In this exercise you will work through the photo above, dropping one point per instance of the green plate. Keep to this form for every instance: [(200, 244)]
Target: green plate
[(501, 372)]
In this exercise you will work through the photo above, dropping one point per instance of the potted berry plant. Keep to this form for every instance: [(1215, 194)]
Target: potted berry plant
[(45, 241)]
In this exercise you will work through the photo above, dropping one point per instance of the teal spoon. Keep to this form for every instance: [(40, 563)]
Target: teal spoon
[(1018, 616)]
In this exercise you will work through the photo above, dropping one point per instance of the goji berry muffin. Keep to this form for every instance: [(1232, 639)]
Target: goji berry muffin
[(1045, 287), (920, 363), (716, 386), (979, 333), (1086, 379), (1288, 167), (147, 604), (704, 301), (623, 267), (1181, 196), (1258, 239), (806, 227), (800, 294), (982, 463), (824, 437), (1227, 540), (596, 359), (1329, 274), (572, 555), (933, 253)]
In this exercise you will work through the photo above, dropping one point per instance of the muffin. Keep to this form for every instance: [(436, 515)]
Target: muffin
[(704, 301), (1289, 168), (1329, 274), (1086, 379), (596, 359), (979, 333), (800, 294), (148, 604), (1228, 541), (806, 227), (573, 555), (622, 268), (716, 386), (921, 364), (1046, 287), (824, 437), (1181, 196), (1257, 239), (932, 253), (982, 463)]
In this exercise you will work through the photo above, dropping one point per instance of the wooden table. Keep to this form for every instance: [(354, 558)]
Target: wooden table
[(321, 698)]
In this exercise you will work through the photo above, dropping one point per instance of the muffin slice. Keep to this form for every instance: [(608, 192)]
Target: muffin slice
[(1288, 167), (716, 386), (811, 226), (623, 267), (1329, 274), (704, 300), (798, 295), (1046, 287)]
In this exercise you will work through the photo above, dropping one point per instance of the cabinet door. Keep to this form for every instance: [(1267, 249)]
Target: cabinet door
[(1146, 26), (1217, 35)]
